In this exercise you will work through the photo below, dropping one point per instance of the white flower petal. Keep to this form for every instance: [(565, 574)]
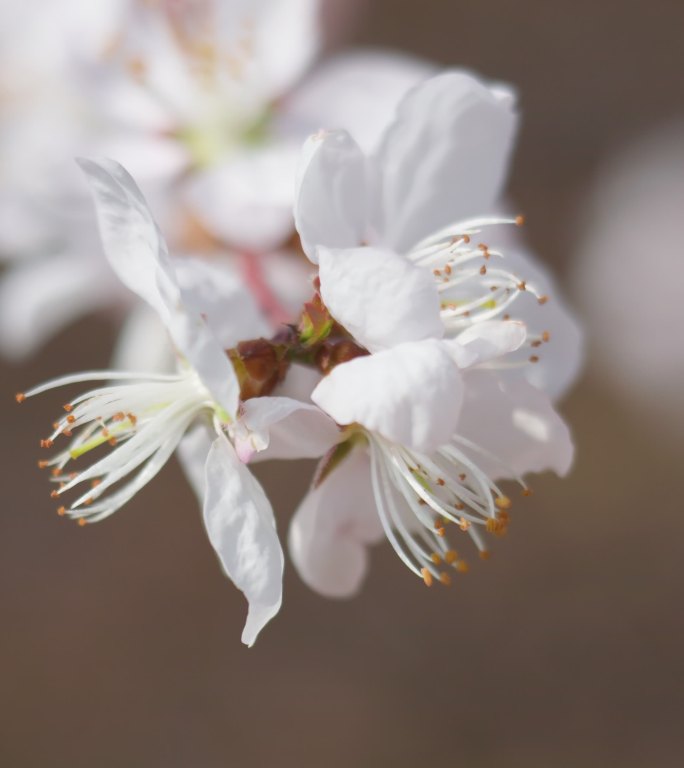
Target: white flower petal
[(379, 297), (138, 254), (487, 341), (410, 394), (192, 453), (330, 193), (38, 298), (214, 289), (333, 527), (143, 343), (247, 200), (515, 422), (561, 359), (358, 92), (132, 242), (445, 157), (289, 429), (241, 528), (286, 39), (300, 382)]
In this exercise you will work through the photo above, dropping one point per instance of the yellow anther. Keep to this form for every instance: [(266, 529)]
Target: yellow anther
[(493, 525), (43, 464), (534, 358), (436, 559), (68, 407), (20, 397), (502, 502), (543, 299), (46, 443), (519, 220), (451, 556), (427, 577), (445, 578), (462, 567), (546, 336), (61, 511), (82, 521), (464, 524), (527, 492), (485, 554)]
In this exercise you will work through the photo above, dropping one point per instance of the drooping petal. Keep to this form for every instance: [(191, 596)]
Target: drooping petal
[(246, 200), (410, 394), (333, 528), (330, 193), (138, 254), (288, 429), (132, 242), (445, 157), (379, 297), (515, 422), (486, 341), (241, 528), (192, 453), (358, 92)]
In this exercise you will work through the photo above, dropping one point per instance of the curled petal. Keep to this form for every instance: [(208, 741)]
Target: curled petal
[(486, 341), (410, 394), (445, 157), (379, 297), (333, 528), (241, 528), (330, 194), (138, 254)]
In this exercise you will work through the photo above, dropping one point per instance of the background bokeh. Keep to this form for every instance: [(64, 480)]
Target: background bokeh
[(119, 644)]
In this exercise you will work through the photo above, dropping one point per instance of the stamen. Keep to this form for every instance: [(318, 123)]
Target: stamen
[(431, 488), (143, 421)]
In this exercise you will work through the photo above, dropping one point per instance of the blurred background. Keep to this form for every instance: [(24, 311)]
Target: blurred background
[(120, 643)]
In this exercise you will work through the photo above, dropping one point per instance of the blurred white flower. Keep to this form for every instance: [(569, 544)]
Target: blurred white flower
[(628, 271), (205, 102), (420, 204), (145, 416)]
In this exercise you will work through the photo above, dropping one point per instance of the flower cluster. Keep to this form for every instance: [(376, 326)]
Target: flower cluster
[(420, 369)]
